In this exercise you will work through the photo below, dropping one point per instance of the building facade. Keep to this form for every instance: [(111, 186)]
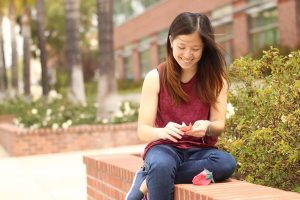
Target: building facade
[(241, 27)]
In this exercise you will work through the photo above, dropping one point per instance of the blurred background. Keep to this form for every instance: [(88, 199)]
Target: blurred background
[(72, 62), (70, 49)]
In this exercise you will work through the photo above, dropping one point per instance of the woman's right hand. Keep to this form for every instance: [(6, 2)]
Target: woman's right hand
[(171, 132)]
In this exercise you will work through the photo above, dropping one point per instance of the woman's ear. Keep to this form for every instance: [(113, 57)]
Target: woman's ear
[(171, 41)]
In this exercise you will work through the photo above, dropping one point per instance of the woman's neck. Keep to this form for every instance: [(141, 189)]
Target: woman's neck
[(187, 74)]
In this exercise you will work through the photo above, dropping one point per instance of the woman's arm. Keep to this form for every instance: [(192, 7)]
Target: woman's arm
[(217, 116), (147, 113)]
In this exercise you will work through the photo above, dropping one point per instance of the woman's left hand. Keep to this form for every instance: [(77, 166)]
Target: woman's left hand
[(199, 128)]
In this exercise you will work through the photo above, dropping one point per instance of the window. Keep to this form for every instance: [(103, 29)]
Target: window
[(162, 53), (221, 12), (224, 37), (127, 59), (162, 38), (222, 23), (263, 29), (144, 49), (128, 68), (145, 62)]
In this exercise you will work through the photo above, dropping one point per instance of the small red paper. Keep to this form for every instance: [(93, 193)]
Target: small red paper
[(186, 128), (203, 178)]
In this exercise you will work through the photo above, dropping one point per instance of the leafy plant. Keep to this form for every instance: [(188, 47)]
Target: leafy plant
[(58, 112), (263, 134)]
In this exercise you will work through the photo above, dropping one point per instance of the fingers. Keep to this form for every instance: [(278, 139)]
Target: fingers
[(173, 132), (199, 128), (168, 137), (201, 125)]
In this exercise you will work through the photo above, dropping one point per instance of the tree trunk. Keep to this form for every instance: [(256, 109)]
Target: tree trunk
[(3, 75), (26, 49), (14, 63), (107, 87), (40, 7), (76, 83)]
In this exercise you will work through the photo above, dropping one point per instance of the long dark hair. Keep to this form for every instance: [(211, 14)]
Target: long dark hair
[(211, 71)]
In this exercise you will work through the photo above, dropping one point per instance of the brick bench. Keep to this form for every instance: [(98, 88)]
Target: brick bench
[(110, 177)]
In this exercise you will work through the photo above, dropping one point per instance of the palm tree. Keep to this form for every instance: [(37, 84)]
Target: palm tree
[(76, 84), (3, 75), (40, 7), (107, 86), (14, 63), (25, 21)]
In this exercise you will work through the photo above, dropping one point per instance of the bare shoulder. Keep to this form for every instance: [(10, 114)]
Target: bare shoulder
[(225, 86), (152, 75), (151, 81), (152, 78)]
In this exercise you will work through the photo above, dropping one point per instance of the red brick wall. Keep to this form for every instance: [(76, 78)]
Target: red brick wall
[(158, 18), (20, 142), (288, 23), (240, 30), (110, 177)]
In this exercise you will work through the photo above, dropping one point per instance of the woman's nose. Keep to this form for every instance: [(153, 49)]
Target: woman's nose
[(188, 54)]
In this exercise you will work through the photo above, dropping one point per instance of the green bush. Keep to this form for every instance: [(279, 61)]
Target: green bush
[(264, 132), (60, 113), (129, 85)]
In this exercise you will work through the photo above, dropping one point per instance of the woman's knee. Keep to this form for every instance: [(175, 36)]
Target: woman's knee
[(162, 165), (162, 159), (227, 167), (230, 164)]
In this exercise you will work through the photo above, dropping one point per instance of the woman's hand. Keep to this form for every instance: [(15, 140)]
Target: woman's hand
[(171, 132), (199, 128)]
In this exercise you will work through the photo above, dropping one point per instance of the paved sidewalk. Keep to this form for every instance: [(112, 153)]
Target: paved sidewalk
[(49, 177)]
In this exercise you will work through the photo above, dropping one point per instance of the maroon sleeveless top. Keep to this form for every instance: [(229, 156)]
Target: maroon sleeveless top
[(187, 112)]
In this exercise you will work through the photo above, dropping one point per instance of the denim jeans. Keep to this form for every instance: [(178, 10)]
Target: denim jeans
[(166, 165)]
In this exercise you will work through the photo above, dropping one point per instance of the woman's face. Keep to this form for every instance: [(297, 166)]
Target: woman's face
[(187, 49)]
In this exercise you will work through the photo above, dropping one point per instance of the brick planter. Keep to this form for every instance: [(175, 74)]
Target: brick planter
[(7, 119), (21, 142), (110, 177)]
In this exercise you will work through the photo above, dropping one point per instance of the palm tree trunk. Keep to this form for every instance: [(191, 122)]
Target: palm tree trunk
[(3, 76), (14, 63), (26, 49), (76, 84), (40, 7), (107, 87)]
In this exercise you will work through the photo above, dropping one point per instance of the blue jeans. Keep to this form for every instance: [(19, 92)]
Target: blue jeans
[(166, 165)]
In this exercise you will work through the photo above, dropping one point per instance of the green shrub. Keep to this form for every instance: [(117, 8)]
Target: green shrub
[(60, 113), (129, 85), (264, 133)]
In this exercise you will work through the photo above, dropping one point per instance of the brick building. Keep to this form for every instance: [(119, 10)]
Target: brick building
[(241, 27)]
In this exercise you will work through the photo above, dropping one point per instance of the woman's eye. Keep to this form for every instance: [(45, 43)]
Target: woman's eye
[(196, 49), (180, 47)]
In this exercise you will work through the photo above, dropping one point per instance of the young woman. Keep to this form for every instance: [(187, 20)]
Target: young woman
[(191, 88)]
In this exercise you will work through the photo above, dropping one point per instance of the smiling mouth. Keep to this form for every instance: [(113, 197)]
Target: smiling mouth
[(187, 61)]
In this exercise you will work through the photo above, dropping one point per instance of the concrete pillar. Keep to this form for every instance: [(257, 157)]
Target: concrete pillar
[(136, 68)]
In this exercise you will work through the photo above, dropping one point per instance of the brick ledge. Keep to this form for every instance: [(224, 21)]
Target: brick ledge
[(109, 177)]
